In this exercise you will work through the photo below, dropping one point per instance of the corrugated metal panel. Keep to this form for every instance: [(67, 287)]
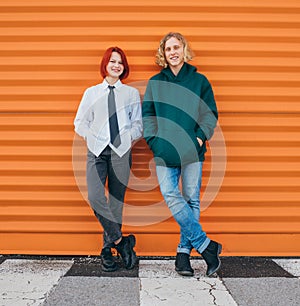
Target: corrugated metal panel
[(50, 52)]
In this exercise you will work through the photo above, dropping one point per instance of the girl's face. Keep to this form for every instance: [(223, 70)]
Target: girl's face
[(115, 66), (174, 53)]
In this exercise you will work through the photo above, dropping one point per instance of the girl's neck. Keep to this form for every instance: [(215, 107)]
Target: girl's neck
[(111, 80)]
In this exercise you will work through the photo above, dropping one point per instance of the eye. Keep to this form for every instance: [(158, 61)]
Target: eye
[(168, 49)]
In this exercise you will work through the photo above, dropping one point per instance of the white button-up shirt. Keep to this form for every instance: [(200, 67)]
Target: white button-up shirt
[(92, 119)]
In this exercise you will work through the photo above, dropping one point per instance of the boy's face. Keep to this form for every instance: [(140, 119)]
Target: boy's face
[(174, 52)]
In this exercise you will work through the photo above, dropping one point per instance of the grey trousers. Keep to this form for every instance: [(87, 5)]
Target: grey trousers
[(108, 204)]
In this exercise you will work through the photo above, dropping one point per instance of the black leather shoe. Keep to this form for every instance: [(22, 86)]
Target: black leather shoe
[(211, 257), (183, 265), (108, 263), (125, 248)]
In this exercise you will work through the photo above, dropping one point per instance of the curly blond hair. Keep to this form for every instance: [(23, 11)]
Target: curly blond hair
[(160, 55)]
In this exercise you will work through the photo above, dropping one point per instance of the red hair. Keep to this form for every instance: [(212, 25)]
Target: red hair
[(106, 57)]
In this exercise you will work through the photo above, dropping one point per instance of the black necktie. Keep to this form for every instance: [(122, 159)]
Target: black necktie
[(113, 121)]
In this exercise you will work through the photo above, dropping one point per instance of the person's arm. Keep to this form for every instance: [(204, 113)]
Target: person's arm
[(84, 116), (208, 114), (136, 117), (149, 116)]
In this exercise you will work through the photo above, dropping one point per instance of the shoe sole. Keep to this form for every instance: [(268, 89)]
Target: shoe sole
[(184, 273), (219, 265)]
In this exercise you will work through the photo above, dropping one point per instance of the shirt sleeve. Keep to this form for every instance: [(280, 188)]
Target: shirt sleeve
[(84, 116)]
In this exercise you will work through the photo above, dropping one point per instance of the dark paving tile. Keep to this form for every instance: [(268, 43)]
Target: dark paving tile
[(2, 259), (254, 267), (91, 266)]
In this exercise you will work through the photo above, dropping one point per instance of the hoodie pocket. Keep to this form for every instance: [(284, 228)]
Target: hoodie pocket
[(176, 147)]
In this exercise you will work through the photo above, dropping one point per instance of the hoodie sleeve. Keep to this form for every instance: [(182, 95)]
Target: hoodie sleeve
[(208, 114), (149, 116), (136, 116)]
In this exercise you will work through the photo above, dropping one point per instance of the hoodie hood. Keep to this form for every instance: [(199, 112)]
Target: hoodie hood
[(184, 74)]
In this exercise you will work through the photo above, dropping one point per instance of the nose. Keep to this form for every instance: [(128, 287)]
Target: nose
[(173, 51)]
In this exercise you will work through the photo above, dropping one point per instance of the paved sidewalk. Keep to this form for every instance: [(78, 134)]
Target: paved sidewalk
[(63, 281)]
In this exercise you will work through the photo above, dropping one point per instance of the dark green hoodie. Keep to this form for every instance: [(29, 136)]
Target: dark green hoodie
[(177, 110)]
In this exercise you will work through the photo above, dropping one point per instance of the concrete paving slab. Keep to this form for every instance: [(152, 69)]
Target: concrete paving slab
[(166, 268), (264, 291), (176, 291), (95, 291), (27, 282), (162, 285), (290, 265)]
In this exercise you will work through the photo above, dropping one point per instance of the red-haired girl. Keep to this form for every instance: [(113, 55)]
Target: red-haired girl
[(109, 119)]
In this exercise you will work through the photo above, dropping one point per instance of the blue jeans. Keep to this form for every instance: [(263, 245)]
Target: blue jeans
[(185, 205)]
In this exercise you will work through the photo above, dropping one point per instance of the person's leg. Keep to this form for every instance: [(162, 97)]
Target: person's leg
[(168, 180), (183, 214), (118, 176), (96, 178), (118, 172), (191, 177)]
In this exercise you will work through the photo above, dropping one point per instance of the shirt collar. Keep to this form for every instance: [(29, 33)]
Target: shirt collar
[(117, 84)]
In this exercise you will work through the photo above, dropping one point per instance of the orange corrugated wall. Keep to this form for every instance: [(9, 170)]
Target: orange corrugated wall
[(50, 52)]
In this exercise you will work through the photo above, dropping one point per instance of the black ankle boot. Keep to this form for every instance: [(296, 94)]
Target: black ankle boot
[(211, 257), (183, 265), (125, 248), (108, 263)]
